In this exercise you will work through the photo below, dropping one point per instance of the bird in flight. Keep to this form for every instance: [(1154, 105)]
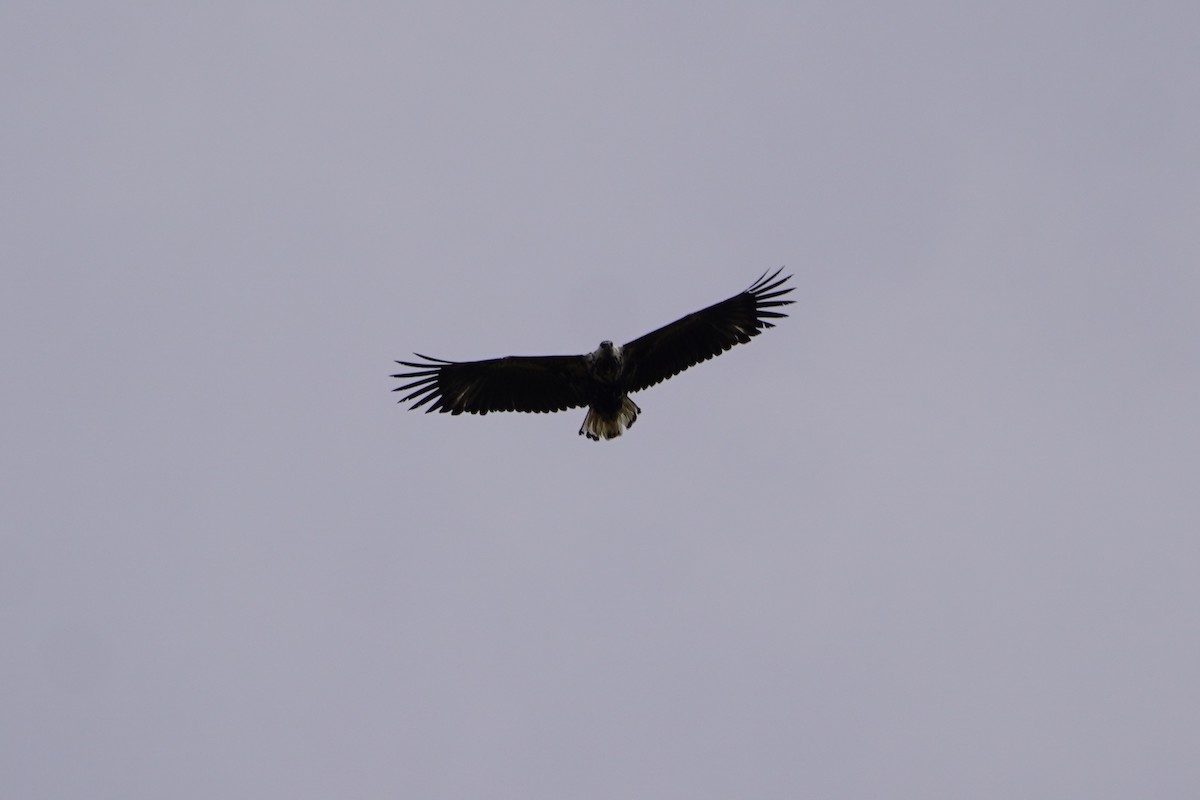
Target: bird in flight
[(602, 380)]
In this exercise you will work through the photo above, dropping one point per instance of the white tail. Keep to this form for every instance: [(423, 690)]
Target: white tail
[(596, 427)]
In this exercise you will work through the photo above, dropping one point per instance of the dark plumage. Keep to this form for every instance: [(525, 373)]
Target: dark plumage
[(601, 380)]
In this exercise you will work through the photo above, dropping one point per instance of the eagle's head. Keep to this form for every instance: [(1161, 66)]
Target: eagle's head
[(606, 361)]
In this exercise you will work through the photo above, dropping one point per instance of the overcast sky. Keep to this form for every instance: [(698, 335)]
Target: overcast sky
[(934, 536)]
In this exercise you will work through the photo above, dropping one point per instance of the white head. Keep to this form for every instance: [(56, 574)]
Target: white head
[(606, 361)]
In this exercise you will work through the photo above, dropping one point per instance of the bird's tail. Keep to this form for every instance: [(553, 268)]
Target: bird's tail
[(597, 426)]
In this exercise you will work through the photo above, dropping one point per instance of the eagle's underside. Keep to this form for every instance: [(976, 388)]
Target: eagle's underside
[(601, 380)]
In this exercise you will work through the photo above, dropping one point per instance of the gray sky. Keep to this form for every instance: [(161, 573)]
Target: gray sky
[(936, 535)]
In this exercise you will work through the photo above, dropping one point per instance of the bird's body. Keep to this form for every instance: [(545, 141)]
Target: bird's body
[(610, 410), (601, 380)]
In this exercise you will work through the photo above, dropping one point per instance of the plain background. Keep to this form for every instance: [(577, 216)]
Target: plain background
[(935, 535)]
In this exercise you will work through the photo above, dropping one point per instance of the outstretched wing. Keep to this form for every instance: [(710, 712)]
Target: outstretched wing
[(704, 334), (514, 383)]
